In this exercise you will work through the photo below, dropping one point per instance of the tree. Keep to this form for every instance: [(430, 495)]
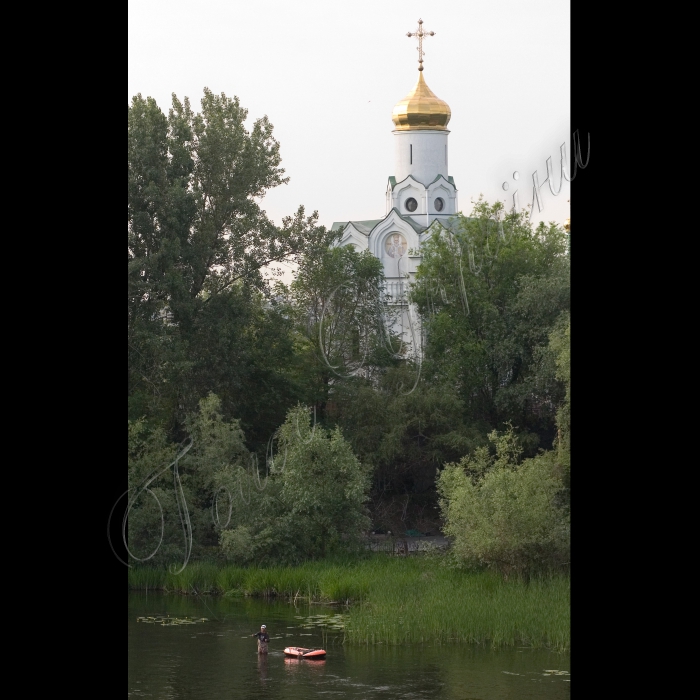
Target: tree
[(560, 348), (490, 290), (404, 436), (324, 486), (198, 242), (154, 511), (335, 305), (505, 514), (186, 496)]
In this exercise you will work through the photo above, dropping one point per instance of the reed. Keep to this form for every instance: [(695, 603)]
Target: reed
[(145, 577), (197, 577), (230, 578), (442, 606), (398, 600)]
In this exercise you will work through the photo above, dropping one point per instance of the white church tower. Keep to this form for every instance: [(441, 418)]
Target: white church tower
[(421, 186), (420, 196)]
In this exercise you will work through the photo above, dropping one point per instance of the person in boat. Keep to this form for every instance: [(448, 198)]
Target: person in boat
[(263, 639)]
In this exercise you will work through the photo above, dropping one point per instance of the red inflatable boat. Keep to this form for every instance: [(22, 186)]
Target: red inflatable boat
[(303, 653)]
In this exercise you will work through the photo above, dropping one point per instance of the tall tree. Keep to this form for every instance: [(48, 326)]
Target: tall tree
[(199, 243), (335, 305), (490, 290)]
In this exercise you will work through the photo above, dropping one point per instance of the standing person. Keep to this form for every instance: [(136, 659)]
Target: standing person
[(263, 639)]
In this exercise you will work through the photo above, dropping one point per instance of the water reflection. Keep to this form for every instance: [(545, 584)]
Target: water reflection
[(216, 659), (262, 666), (304, 673)]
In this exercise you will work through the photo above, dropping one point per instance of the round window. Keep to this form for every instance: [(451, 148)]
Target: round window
[(411, 204), (439, 204)]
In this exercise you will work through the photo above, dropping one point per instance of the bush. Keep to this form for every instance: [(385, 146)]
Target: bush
[(309, 506), (237, 545), (505, 515), (211, 468), (324, 486)]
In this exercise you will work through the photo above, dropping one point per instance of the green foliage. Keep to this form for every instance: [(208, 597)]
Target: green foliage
[(490, 292), (560, 347), (216, 460), (324, 486), (237, 544), (198, 242), (411, 601), (334, 302), (404, 436), (505, 514), (493, 293), (312, 503), (399, 600), (218, 446), (154, 511)]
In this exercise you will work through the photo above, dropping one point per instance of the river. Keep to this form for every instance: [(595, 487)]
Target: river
[(188, 647)]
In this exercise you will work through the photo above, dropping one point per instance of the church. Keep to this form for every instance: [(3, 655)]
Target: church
[(420, 197)]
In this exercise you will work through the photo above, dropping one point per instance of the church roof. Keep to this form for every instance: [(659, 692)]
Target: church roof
[(450, 179), (362, 226), (367, 226), (421, 109), (451, 223), (418, 227)]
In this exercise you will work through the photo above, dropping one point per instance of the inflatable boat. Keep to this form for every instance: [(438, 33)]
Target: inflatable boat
[(303, 653)]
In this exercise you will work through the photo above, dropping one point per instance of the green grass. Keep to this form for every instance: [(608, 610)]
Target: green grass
[(398, 600), (417, 603)]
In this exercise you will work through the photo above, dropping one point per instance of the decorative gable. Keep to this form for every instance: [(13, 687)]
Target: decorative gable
[(353, 236), (408, 196)]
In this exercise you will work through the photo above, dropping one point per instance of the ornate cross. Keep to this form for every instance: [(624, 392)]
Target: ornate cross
[(420, 34)]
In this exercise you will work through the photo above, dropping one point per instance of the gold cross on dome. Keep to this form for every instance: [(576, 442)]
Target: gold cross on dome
[(420, 34)]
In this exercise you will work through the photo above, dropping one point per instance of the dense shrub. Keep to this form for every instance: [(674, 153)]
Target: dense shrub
[(324, 485), (505, 514)]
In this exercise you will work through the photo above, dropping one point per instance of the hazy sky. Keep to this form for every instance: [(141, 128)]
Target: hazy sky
[(328, 74)]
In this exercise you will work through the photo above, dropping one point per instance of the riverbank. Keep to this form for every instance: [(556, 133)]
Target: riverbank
[(397, 600)]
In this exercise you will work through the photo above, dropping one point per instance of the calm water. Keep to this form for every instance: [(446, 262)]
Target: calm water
[(216, 658)]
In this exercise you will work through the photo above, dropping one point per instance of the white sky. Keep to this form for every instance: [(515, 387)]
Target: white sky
[(328, 74)]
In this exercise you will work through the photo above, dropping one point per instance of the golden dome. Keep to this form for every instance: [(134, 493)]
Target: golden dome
[(421, 109)]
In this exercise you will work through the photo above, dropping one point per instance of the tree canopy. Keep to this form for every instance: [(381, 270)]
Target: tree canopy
[(200, 314), (223, 353), (491, 289)]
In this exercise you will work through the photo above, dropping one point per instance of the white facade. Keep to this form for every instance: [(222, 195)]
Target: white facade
[(421, 154), (437, 200), (420, 193)]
